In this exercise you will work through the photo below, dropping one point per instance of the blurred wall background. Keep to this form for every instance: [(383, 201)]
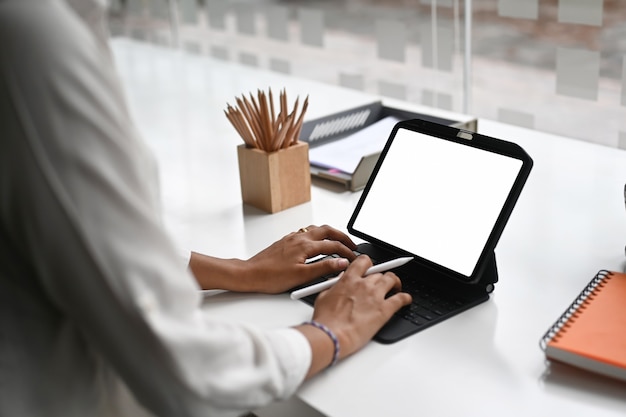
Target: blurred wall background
[(552, 65)]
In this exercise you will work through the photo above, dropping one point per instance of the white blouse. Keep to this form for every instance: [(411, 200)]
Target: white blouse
[(98, 315)]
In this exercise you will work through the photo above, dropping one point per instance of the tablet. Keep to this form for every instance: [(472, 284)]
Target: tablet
[(442, 195)]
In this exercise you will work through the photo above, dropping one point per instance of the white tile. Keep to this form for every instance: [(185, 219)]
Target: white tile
[(586, 12), (277, 22), (522, 9), (577, 73), (311, 27), (391, 40)]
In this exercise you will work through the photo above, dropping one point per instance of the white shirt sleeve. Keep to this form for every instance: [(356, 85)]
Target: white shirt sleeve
[(80, 202)]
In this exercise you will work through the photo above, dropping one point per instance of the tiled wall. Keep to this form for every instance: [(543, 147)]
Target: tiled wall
[(559, 66), (552, 65)]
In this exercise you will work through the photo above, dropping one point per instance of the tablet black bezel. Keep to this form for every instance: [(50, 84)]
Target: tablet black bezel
[(460, 137)]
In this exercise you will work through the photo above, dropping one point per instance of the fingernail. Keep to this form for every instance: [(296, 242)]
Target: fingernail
[(342, 263)]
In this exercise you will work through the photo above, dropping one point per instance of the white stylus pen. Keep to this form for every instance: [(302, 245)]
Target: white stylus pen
[(321, 286)]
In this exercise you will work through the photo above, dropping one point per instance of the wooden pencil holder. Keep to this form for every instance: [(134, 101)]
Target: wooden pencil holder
[(275, 181)]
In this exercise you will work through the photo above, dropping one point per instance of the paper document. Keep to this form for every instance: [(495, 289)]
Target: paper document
[(345, 154)]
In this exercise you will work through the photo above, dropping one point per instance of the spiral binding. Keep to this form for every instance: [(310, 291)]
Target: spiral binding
[(574, 307)]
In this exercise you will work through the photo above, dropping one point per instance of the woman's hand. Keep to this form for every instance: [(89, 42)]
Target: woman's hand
[(354, 309), (282, 265), (279, 267)]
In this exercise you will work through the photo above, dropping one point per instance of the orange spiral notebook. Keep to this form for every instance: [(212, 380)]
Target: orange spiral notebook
[(591, 333)]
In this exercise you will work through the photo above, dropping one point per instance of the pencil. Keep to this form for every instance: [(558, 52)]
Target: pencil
[(257, 122)]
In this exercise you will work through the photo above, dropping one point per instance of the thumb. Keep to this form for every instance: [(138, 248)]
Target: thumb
[(327, 266), (398, 300)]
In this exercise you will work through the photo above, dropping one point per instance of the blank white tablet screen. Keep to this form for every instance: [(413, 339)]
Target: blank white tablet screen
[(437, 199)]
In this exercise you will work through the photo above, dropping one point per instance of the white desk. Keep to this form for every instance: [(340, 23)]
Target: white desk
[(570, 221)]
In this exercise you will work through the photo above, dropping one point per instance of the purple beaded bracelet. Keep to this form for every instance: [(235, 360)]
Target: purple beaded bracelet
[(332, 337)]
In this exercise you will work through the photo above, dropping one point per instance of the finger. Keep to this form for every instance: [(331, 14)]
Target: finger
[(359, 266), (386, 280), (325, 267), (327, 232), (330, 247), (302, 230), (397, 301), (392, 279)]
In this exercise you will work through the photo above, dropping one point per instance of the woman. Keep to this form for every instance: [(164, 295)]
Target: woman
[(98, 315)]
